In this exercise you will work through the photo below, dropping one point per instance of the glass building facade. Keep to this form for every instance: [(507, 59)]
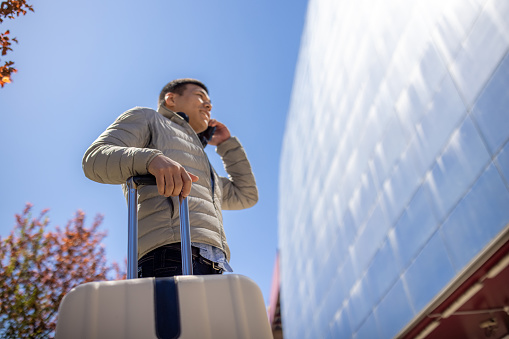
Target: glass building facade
[(394, 170)]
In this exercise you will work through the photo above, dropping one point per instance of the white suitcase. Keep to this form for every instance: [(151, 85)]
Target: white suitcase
[(187, 306)]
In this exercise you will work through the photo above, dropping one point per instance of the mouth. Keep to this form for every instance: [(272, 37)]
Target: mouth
[(205, 114)]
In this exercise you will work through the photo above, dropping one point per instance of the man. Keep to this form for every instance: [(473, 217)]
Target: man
[(169, 144)]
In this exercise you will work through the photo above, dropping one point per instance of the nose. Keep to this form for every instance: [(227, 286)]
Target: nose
[(208, 105)]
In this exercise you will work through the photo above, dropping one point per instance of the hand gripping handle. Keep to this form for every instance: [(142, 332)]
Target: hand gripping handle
[(132, 240)]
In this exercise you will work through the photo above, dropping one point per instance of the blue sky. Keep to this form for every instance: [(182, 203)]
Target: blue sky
[(82, 65)]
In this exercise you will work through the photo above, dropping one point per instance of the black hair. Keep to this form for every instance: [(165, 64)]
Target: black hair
[(178, 86)]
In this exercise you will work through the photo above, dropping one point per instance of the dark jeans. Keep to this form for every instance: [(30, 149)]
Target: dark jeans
[(166, 261)]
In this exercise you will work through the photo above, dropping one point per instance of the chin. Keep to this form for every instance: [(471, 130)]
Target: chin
[(203, 129)]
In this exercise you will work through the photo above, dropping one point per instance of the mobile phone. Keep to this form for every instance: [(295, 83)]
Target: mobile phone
[(206, 135)]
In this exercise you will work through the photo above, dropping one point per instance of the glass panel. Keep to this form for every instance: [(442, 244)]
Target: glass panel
[(503, 162), (457, 19), (381, 275), (368, 329), (341, 327), (360, 304), (319, 326), (477, 219), (411, 105), (389, 150), (400, 188), (435, 129), (364, 198), (491, 111), (333, 301), (461, 163), (429, 273), (348, 231), (484, 48), (348, 276), (414, 228), (370, 239), (394, 312), (499, 12)]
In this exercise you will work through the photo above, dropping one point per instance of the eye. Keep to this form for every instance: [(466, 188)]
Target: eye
[(203, 97)]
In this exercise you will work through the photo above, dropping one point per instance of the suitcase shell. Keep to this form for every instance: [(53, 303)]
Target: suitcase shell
[(187, 306), (219, 306)]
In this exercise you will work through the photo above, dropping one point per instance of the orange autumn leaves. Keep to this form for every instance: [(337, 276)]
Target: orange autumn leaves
[(9, 9), (6, 70), (38, 267)]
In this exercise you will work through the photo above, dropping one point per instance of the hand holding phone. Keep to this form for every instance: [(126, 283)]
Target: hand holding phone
[(206, 135), (221, 132)]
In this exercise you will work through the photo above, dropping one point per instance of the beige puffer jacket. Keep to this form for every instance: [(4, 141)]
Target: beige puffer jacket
[(140, 134)]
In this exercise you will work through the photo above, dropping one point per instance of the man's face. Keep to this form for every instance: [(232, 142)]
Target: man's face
[(195, 102)]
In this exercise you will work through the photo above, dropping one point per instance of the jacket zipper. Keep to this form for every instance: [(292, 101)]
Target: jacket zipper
[(212, 180)]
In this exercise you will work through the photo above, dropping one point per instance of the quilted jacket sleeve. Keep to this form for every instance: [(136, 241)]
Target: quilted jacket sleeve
[(239, 189), (120, 152)]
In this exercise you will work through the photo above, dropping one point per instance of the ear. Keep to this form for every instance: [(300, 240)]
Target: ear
[(169, 99)]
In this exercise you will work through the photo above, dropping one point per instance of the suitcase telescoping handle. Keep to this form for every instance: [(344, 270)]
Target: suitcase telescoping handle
[(132, 241)]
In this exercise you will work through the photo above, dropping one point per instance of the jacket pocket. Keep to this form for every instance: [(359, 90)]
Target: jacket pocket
[(173, 202)]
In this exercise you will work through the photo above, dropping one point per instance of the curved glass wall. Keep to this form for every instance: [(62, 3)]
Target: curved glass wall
[(395, 163)]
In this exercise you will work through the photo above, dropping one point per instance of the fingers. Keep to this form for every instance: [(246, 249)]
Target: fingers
[(217, 124), (187, 183), (161, 184), (194, 178), (177, 185), (221, 134), (171, 178), (186, 188)]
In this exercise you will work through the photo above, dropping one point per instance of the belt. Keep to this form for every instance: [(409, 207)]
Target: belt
[(196, 256), (215, 265)]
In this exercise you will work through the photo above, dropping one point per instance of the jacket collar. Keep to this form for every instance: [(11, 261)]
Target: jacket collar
[(181, 119), (176, 117)]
